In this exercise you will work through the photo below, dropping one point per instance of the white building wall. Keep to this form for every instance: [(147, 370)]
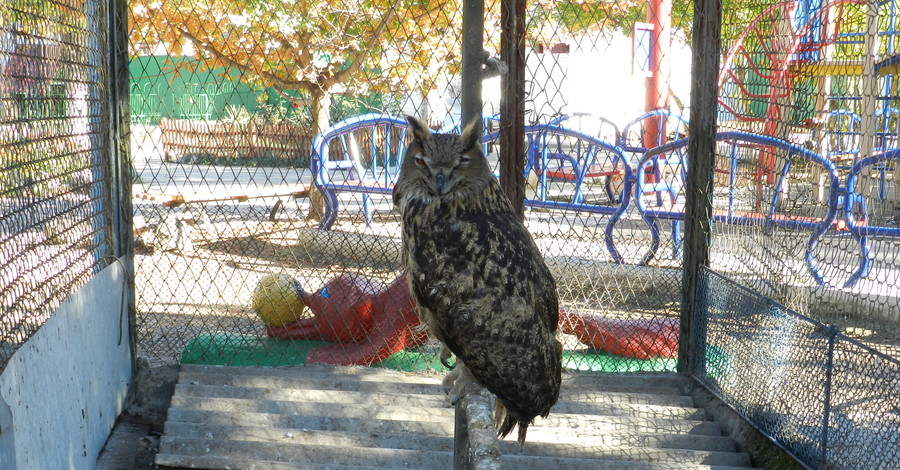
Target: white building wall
[(62, 390)]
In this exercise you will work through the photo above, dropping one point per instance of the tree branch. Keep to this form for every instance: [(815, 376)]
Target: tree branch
[(356, 63), (268, 77), (292, 99)]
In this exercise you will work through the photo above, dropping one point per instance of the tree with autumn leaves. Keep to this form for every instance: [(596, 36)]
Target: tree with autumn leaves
[(309, 50)]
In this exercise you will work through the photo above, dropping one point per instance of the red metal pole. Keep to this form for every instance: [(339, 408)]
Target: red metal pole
[(659, 14)]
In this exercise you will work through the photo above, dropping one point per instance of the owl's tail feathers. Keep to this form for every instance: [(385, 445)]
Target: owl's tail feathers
[(505, 422)]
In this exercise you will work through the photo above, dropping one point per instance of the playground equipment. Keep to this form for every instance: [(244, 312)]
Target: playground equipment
[(799, 42), (858, 210), (341, 163), (362, 155), (821, 74), (760, 205), (365, 323)]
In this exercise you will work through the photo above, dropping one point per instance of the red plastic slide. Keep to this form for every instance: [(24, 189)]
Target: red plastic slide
[(368, 322), (640, 338)]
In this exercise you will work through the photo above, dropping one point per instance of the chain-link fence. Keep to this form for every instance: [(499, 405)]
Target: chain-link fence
[(827, 398), (804, 212), (55, 165), (218, 210), (819, 76), (799, 213), (267, 136)]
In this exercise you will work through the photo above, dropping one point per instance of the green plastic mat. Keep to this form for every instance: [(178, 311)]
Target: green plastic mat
[(241, 350)]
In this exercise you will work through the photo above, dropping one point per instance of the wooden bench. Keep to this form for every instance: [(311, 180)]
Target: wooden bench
[(169, 200)]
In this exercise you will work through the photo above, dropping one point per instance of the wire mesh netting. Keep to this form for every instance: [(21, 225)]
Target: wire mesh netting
[(55, 229), (233, 194), (267, 136), (805, 213), (824, 235), (826, 397), (264, 165)]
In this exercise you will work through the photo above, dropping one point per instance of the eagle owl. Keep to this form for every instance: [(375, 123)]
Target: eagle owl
[(480, 284)]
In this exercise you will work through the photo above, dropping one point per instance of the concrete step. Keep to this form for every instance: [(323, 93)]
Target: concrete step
[(620, 398), (303, 455), (343, 410), (423, 400), (406, 384), (654, 383), (409, 441), (175, 430), (596, 423), (216, 462), (618, 452), (322, 423), (321, 417), (312, 372), (536, 433)]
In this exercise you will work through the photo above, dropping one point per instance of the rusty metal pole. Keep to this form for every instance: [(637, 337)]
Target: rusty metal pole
[(512, 103), (659, 14), (706, 50), (472, 61)]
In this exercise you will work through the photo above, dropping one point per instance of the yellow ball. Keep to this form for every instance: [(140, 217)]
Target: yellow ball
[(277, 300)]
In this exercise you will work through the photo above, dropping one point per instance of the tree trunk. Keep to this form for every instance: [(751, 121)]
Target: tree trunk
[(321, 116)]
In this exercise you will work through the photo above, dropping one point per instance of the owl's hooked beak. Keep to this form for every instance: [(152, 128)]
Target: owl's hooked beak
[(439, 180)]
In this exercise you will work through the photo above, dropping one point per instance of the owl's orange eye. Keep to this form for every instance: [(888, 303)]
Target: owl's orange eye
[(420, 161)]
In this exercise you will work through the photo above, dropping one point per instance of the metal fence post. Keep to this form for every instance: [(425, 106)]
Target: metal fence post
[(472, 60), (512, 103), (120, 161), (707, 42), (829, 372)]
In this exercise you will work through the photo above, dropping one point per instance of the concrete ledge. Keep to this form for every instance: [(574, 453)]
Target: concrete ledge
[(648, 283), (62, 390)]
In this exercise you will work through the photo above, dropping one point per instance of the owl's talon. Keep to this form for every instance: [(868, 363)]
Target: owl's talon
[(455, 382), (447, 383), (446, 363), (445, 358)]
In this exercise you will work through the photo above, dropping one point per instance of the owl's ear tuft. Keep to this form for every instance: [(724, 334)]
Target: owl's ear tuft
[(469, 137), (421, 132)]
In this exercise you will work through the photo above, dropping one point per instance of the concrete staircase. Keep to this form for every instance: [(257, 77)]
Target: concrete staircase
[(318, 418)]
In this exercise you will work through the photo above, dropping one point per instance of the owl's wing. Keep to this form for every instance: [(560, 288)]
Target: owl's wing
[(492, 301)]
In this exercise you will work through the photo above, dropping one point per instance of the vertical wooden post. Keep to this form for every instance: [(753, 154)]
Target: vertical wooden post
[(512, 103), (706, 49), (472, 61)]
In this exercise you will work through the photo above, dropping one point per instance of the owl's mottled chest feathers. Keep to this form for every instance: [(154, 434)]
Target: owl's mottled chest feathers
[(474, 223), (471, 248)]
